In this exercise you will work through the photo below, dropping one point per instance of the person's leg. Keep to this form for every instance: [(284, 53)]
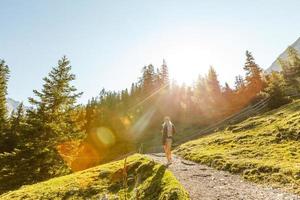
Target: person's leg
[(166, 150), (170, 153), (170, 150)]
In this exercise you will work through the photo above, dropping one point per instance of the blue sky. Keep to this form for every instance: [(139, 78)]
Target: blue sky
[(108, 42)]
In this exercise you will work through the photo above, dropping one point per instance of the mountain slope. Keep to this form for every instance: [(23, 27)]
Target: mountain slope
[(145, 178), (12, 105), (263, 149), (275, 66)]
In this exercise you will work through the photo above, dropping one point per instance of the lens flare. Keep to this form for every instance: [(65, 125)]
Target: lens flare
[(79, 156), (105, 136), (126, 122), (183, 105)]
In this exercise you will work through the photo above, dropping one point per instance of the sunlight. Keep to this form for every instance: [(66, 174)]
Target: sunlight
[(186, 61), (190, 51), (190, 57), (143, 122), (126, 122), (78, 155)]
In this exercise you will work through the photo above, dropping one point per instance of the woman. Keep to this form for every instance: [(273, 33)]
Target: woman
[(168, 130)]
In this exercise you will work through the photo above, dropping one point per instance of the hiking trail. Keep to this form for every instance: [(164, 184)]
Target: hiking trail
[(205, 183)]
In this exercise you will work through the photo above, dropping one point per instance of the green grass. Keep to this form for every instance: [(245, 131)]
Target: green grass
[(263, 149), (145, 178)]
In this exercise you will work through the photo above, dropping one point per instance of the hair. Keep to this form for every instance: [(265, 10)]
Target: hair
[(167, 118)]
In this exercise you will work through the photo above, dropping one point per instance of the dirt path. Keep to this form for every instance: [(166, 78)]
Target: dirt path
[(205, 183)]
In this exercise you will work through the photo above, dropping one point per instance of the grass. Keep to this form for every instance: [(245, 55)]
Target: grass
[(141, 178), (263, 149)]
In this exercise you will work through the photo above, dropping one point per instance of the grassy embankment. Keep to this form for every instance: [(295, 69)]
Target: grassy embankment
[(143, 178), (263, 149)]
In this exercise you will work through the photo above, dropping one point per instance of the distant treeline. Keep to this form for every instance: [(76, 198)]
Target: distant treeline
[(57, 135)]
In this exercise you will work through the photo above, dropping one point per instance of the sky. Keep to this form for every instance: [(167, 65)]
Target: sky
[(108, 42)]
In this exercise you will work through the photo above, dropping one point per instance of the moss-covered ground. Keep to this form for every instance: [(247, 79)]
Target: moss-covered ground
[(139, 178), (263, 149)]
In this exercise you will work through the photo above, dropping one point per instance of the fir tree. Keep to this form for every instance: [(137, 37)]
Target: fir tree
[(132, 89), (125, 98), (276, 90), (17, 119), (253, 77), (239, 83), (4, 76), (55, 105), (52, 121), (201, 93), (18, 128), (90, 115), (228, 95), (48, 124), (291, 69), (228, 92), (148, 79), (164, 74), (213, 85)]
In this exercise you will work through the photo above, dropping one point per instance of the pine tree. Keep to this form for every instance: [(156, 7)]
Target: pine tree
[(239, 83), (148, 79), (254, 81), (125, 100), (90, 115), (213, 85), (291, 69), (4, 76), (215, 99), (55, 105), (18, 128), (228, 92), (165, 74), (228, 95), (276, 90), (157, 79), (132, 89), (52, 121), (200, 85), (201, 93), (17, 119)]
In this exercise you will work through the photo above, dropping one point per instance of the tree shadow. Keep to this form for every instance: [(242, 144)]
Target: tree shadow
[(155, 186)]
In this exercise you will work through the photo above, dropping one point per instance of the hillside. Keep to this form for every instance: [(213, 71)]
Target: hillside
[(263, 149), (12, 105), (145, 178), (275, 66)]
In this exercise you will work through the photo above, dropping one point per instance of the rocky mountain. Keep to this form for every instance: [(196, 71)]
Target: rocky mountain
[(12, 105), (275, 66)]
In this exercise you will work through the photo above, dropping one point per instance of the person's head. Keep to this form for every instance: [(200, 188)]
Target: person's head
[(167, 119)]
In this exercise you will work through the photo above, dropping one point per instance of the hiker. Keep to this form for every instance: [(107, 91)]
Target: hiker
[(168, 130)]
